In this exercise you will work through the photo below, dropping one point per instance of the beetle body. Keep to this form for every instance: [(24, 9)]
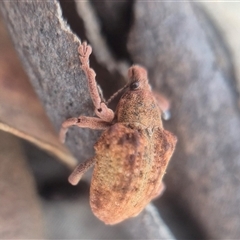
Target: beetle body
[(131, 155), (130, 163)]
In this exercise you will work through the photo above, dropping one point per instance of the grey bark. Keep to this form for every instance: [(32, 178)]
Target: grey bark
[(48, 50)]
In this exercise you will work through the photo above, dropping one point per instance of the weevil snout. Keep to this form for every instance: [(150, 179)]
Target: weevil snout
[(138, 77)]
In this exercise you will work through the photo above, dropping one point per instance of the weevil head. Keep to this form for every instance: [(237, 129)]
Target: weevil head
[(137, 104), (138, 78)]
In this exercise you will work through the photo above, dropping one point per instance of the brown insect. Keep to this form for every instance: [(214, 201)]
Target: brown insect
[(132, 153)]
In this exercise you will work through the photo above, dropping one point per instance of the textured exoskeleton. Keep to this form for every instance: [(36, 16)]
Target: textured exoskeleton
[(132, 153)]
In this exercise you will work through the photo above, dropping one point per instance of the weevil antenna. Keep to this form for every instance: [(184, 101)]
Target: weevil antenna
[(117, 93)]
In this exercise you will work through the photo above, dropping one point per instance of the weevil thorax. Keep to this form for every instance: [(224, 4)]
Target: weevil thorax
[(138, 105)]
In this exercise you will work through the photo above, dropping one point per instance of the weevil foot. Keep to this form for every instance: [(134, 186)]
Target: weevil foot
[(78, 172), (163, 104), (84, 51)]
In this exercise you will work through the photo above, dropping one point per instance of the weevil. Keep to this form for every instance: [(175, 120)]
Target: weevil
[(131, 155)]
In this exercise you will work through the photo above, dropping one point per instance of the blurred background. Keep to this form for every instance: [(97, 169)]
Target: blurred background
[(192, 53)]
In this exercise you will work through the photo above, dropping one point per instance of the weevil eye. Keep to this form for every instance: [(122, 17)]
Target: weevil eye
[(134, 86)]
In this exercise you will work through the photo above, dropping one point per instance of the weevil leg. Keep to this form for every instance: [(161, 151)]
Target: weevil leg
[(101, 109), (83, 122), (78, 172), (159, 191), (163, 104)]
